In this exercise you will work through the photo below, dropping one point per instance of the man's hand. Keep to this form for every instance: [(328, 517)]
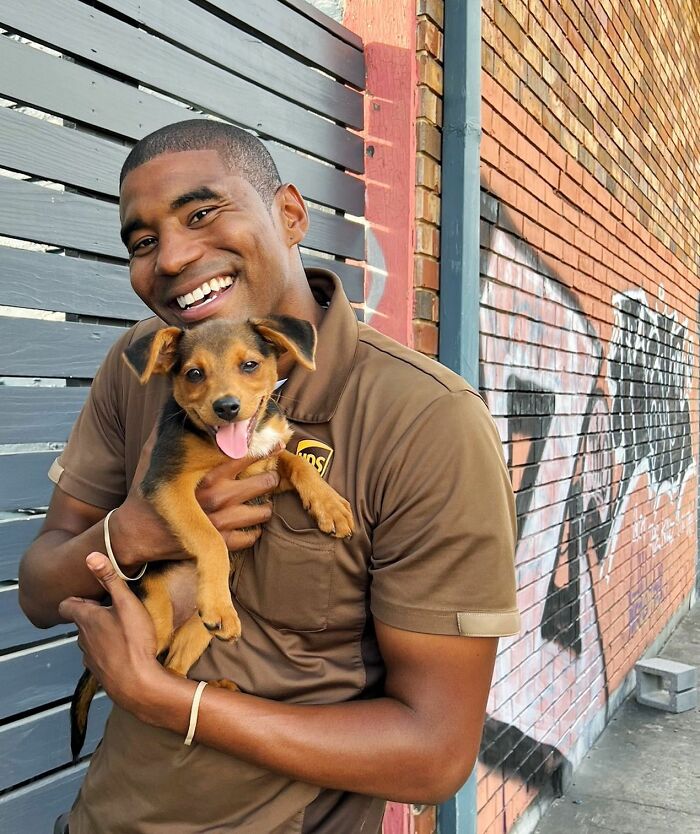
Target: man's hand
[(118, 642)]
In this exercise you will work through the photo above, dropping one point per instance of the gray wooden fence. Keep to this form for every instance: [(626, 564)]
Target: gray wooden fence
[(79, 83)]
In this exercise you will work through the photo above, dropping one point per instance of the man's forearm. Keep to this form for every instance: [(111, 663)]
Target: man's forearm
[(54, 568), (378, 747)]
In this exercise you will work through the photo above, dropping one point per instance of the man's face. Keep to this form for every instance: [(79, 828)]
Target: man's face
[(201, 242)]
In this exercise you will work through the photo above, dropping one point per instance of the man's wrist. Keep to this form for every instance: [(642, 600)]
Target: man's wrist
[(164, 700), (125, 548)]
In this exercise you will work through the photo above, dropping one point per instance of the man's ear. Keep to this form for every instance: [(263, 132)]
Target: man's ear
[(153, 354), (286, 333), (293, 212)]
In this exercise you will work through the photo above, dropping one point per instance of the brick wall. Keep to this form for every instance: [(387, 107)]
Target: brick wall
[(428, 104), (589, 298)]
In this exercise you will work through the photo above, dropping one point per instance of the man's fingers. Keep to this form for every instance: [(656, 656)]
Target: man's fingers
[(241, 539), (104, 572), (239, 516), (214, 496), (232, 468)]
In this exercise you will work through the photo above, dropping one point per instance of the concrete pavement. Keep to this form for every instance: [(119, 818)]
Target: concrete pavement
[(643, 774)]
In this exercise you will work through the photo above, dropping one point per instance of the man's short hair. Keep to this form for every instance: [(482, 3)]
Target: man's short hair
[(240, 150)]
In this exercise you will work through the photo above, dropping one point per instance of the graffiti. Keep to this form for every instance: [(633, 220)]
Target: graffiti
[(597, 433), (650, 374)]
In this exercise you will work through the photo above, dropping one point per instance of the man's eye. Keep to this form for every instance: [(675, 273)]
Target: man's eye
[(200, 214), (195, 375), (142, 245), (249, 367)]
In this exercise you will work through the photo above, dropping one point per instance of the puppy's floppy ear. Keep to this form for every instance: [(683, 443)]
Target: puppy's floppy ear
[(153, 354), (286, 333)]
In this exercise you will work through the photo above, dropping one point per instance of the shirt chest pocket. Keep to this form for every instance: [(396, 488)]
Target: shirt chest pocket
[(288, 579)]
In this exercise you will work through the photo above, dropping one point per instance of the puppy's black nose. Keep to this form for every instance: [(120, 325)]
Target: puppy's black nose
[(227, 408)]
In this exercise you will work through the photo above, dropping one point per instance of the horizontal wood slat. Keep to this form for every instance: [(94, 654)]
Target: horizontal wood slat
[(292, 32), (44, 215), (53, 348), (335, 28), (201, 32), (15, 538), (69, 90), (35, 807), (43, 675), (34, 745), (15, 628), (38, 415), (31, 145), (42, 281), (72, 27)]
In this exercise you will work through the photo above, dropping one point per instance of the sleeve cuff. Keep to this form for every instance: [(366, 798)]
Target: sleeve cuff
[(458, 623), (81, 489)]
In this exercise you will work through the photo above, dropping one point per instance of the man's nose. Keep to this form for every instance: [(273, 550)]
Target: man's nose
[(227, 408), (177, 249)]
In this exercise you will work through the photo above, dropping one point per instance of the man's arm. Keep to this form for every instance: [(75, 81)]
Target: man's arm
[(418, 743)]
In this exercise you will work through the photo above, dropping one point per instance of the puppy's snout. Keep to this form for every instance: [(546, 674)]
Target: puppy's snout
[(227, 408)]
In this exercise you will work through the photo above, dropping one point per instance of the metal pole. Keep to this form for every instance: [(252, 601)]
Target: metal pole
[(459, 253)]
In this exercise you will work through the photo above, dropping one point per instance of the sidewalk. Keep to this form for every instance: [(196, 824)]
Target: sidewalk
[(643, 774)]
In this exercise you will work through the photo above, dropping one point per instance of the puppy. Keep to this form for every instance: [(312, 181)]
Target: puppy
[(223, 377)]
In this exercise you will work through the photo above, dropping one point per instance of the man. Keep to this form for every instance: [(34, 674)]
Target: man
[(364, 665)]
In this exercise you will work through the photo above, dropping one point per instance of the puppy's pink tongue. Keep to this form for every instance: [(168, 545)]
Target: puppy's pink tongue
[(232, 439)]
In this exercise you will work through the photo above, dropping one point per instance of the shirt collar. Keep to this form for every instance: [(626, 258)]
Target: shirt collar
[(312, 396)]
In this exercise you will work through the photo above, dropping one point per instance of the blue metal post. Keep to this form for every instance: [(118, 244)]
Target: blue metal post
[(459, 254), (461, 134)]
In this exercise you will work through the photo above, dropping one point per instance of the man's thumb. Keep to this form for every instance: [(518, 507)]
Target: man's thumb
[(100, 565)]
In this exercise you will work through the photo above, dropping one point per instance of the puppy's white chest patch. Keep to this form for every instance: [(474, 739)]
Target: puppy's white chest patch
[(265, 440)]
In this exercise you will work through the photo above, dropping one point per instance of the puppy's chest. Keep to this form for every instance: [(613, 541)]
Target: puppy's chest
[(276, 430)]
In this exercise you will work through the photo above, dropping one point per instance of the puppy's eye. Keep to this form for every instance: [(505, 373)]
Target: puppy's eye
[(249, 367), (195, 375)]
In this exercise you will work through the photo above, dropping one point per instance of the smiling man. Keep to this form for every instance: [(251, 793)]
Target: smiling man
[(364, 664)]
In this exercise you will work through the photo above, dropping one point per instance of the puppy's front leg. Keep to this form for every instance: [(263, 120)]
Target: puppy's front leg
[(177, 503), (331, 511)]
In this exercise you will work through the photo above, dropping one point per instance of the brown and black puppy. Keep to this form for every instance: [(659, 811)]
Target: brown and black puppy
[(223, 376)]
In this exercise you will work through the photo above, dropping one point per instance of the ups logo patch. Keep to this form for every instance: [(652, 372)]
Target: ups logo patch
[(318, 455)]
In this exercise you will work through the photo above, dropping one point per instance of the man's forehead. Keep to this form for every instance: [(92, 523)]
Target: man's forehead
[(167, 177)]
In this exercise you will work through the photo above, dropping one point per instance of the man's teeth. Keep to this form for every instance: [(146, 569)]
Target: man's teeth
[(214, 285)]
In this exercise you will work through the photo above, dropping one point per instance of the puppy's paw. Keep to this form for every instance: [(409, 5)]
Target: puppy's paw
[(333, 515), (220, 619), (223, 683)]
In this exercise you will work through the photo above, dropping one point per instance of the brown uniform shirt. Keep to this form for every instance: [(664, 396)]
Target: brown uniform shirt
[(414, 450)]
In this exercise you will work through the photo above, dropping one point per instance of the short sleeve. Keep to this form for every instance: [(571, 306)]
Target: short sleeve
[(443, 548), (91, 467)]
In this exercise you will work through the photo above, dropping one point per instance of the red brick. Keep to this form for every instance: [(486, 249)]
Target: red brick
[(425, 337), (426, 272)]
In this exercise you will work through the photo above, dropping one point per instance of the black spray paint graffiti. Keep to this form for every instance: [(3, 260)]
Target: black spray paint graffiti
[(591, 420), (649, 375)]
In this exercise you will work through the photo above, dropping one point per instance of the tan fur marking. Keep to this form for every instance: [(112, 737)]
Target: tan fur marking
[(190, 641), (177, 504), (160, 608)]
